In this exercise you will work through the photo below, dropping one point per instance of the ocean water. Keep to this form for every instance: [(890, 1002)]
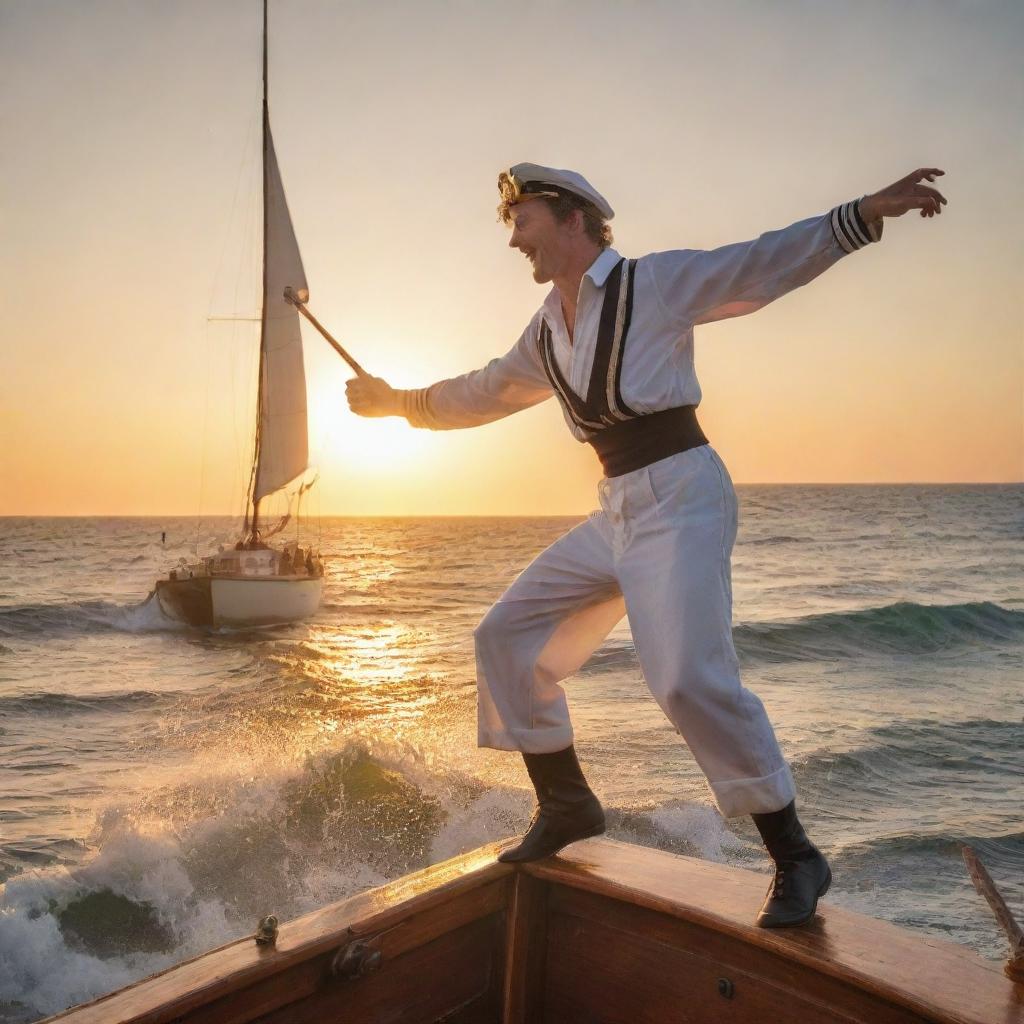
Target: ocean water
[(162, 788)]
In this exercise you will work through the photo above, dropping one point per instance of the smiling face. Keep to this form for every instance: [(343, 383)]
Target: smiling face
[(549, 244)]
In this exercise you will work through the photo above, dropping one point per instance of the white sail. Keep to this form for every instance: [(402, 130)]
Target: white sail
[(283, 452)]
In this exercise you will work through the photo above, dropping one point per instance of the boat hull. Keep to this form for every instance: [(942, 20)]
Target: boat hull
[(239, 601), (604, 932)]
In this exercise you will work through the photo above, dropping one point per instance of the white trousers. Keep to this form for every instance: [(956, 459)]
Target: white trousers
[(658, 551)]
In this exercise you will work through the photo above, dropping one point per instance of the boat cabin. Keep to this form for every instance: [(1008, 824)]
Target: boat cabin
[(249, 562)]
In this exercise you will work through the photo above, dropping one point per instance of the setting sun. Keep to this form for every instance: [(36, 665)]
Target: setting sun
[(369, 447)]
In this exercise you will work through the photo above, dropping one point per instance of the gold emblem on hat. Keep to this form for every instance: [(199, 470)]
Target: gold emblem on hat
[(513, 190)]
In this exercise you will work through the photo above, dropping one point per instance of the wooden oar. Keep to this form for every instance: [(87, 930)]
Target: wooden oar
[(982, 880), (290, 295)]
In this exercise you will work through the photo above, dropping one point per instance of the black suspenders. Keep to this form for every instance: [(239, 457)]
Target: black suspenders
[(603, 405), (624, 440)]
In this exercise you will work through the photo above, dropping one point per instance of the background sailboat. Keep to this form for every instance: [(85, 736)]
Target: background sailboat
[(253, 582)]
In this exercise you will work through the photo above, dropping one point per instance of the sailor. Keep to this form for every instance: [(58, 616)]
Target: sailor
[(613, 341)]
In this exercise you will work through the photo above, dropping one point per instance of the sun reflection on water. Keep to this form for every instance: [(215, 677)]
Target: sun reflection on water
[(301, 696)]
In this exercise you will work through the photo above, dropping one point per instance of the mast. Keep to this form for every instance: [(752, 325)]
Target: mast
[(263, 311)]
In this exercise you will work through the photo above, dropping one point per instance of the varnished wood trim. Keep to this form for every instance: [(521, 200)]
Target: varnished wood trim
[(601, 974), (304, 980), (714, 955), (429, 983), (525, 949), (940, 981), (937, 980), (183, 988)]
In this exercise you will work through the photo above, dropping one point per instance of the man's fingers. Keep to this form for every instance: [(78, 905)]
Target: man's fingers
[(356, 395), (907, 194), (369, 396), (918, 197), (921, 174)]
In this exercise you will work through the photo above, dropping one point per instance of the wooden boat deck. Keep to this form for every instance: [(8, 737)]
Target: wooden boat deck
[(603, 933)]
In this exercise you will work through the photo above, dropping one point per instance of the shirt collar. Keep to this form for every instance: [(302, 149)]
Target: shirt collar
[(602, 266), (598, 272)]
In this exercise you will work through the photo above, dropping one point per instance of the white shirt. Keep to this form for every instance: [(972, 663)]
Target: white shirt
[(674, 291)]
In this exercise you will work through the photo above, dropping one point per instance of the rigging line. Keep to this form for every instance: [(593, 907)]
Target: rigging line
[(264, 150), (242, 335), (241, 227), (244, 161), (319, 524), (255, 443), (202, 450)]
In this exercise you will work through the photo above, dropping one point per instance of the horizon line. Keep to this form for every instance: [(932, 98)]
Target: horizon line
[(477, 515)]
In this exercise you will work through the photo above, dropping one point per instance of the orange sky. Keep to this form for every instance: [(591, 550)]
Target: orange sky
[(128, 155)]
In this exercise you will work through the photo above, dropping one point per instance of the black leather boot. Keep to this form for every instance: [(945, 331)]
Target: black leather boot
[(567, 809), (802, 874)]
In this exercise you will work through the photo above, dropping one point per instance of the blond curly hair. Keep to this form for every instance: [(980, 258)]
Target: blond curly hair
[(562, 206)]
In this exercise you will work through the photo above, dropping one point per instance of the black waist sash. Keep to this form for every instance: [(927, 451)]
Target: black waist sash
[(623, 439), (635, 443)]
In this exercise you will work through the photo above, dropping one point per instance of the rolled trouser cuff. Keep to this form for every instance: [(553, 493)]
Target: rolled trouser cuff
[(755, 796), (526, 741)]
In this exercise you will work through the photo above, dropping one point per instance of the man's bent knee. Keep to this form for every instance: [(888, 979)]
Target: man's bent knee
[(491, 627), (697, 693), (495, 631)]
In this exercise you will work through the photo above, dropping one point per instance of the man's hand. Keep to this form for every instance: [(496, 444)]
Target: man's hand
[(903, 195), (372, 396)]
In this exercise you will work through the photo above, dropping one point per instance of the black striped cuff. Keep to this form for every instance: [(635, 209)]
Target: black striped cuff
[(850, 229)]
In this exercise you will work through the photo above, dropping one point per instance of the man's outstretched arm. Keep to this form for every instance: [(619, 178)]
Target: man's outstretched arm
[(701, 286), (505, 385)]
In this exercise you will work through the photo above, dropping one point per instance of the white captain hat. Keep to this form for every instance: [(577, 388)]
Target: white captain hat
[(531, 181)]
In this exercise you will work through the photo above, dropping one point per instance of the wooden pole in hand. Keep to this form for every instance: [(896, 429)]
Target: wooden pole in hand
[(301, 307)]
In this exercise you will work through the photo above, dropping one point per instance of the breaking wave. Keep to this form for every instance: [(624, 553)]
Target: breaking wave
[(999, 852), (966, 771), (904, 628), (189, 868), (901, 628), (69, 704), (84, 617)]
